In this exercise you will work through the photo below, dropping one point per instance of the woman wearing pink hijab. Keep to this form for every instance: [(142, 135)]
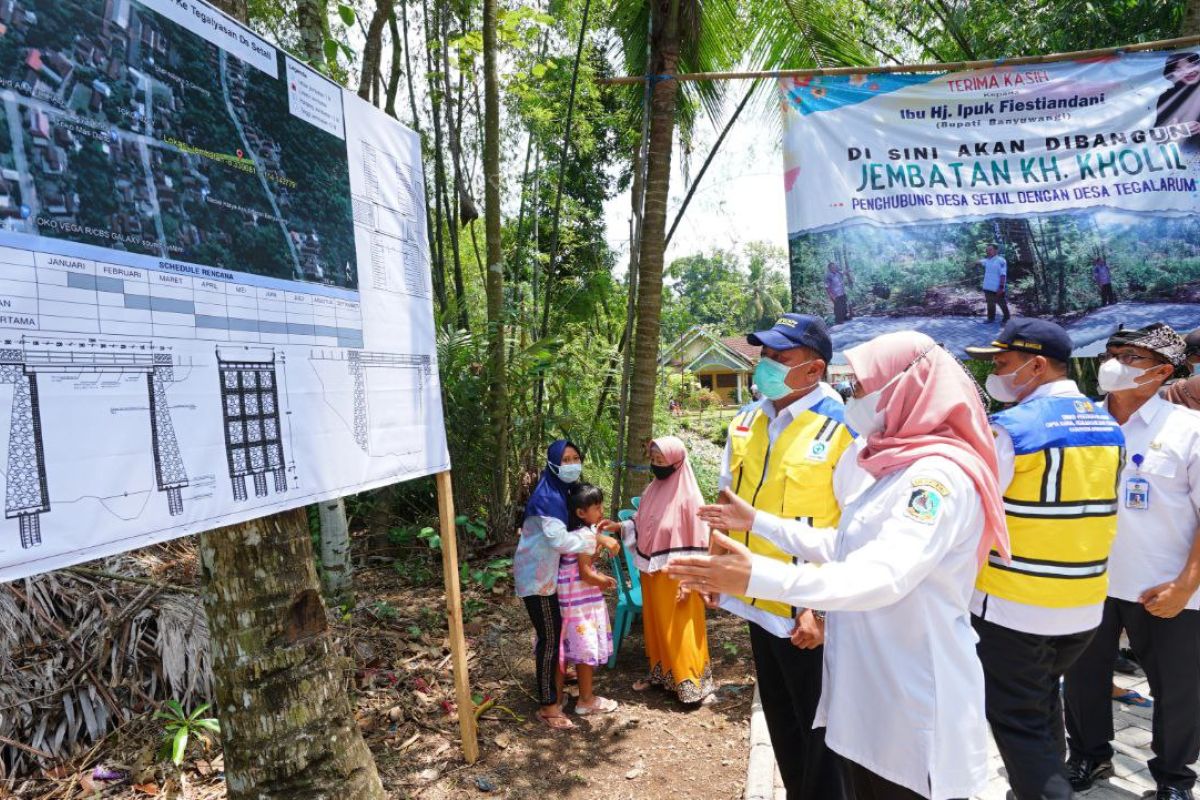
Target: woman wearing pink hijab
[(666, 526), (903, 692)]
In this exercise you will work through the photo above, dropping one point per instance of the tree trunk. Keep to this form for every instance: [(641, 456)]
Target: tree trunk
[(1191, 19), (373, 49), (495, 271), (287, 725), (664, 56), (439, 275), (312, 20), (337, 571), (394, 74)]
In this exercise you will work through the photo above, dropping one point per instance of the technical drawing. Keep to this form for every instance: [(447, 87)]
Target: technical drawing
[(359, 362), (27, 494), (253, 434)]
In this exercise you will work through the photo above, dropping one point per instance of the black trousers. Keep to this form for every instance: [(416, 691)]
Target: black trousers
[(547, 621), (1021, 673), (866, 785), (992, 299), (1107, 298), (789, 684), (1169, 652)]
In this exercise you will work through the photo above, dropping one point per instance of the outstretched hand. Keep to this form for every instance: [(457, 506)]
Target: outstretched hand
[(731, 513), (726, 570)]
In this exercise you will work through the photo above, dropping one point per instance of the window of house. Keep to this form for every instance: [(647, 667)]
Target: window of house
[(727, 380), (706, 381)]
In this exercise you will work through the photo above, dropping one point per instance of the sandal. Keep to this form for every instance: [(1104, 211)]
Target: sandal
[(601, 705), (558, 722), (1132, 698)]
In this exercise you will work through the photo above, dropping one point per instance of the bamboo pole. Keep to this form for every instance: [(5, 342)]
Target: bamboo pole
[(458, 642), (885, 69)]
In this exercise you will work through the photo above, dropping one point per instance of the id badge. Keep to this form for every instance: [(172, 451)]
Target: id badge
[(1137, 494)]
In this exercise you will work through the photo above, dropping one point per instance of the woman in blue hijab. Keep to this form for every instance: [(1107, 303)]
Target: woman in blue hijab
[(544, 537)]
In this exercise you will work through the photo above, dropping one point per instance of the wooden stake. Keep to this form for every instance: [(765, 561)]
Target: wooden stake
[(950, 66), (458, 642)]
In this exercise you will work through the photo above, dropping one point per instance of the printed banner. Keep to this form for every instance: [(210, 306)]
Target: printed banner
[(939, 201), (214, 282)]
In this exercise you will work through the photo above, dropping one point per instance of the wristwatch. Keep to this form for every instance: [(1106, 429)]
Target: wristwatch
[(819, 616)]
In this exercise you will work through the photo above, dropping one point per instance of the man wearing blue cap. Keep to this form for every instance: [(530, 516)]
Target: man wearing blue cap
[(1059, 456), (784, 455)]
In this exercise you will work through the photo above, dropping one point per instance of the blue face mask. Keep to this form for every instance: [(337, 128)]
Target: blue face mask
[(1196, 368), (568, 473), (771, 378)]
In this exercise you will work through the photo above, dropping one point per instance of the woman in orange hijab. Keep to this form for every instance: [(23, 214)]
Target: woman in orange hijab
[(666, 526)]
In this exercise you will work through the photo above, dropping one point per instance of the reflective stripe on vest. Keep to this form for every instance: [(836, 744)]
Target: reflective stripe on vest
[(1061, 505), (792, 478)]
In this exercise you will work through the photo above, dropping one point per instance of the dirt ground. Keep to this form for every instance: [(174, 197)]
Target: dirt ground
[(651, 747)]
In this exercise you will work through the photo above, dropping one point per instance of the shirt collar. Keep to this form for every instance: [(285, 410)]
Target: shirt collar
[(1148, 410), (1064, 387), (820, 392)]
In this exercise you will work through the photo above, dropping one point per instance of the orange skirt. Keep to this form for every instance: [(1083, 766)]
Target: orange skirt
[(676, 639)]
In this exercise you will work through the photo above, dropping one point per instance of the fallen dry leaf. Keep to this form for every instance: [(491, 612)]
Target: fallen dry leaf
[(146, 788)]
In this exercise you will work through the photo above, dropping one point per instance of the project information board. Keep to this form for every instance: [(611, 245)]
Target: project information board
[(1083, 174), (214, 282)]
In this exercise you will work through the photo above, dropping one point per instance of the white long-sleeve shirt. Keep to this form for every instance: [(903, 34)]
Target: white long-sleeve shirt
[(903, 687), (847, 480)]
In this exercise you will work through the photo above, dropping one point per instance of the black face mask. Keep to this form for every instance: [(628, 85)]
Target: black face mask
[(662, 473)]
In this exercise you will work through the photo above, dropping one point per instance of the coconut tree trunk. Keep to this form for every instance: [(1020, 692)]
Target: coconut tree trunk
[(494, 285), (664, 56), (287, 725)]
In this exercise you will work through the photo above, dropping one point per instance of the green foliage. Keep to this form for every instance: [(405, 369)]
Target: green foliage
[(727, 291), (489, 576), (180, 726)]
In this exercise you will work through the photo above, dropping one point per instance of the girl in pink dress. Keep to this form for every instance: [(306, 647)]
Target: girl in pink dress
[(586, 635)]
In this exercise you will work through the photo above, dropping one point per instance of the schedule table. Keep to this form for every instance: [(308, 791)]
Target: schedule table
[(64, 294)]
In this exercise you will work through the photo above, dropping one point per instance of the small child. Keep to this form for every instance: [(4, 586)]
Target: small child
[(586, 635)]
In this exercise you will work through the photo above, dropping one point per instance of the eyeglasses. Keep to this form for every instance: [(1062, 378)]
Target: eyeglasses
[(849, 386), (1128, 359)]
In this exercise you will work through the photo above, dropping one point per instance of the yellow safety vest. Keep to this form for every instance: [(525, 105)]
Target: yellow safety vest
[(791, 479), (1061, 506)]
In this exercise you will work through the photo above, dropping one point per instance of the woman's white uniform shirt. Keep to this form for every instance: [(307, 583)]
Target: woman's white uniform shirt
[(903, 687)]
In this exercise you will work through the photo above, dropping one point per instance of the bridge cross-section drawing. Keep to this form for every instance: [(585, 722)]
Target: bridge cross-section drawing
[(27, 494), (253, 435)]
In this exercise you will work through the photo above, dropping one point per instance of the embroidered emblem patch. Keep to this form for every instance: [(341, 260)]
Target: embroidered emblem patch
[(937, 486), (1084, 407), (924, 505), (818, 451)]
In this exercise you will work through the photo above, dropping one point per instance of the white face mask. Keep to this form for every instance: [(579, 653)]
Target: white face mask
[(863, 415), (1115, 376), (568, 473), (1004, 388)]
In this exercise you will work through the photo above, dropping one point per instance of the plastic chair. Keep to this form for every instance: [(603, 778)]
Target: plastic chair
[(629, 592)]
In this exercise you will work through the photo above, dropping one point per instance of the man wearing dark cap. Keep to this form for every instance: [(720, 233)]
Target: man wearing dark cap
[(1154, 570), (1059, 456), (784, 455)]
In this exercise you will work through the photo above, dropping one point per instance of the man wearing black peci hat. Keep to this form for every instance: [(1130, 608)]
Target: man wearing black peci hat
[(1154, 570), (1059, 456), (791, 454)]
